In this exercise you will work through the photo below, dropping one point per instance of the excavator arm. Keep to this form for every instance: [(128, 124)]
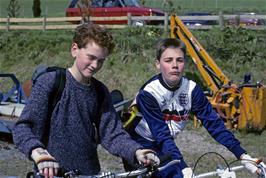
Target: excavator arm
[(210, 72), (239, 106)]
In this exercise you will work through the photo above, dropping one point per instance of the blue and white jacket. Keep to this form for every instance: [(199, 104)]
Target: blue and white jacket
[(165, 113)]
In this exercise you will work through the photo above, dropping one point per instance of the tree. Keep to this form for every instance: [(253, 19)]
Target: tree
[(36, 8), (13, 8)]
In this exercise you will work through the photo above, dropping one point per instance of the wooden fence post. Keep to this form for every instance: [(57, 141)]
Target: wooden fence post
[(237, 20), (221, 20), (44, 23), (129, 19), (166, 22), (8, 23)]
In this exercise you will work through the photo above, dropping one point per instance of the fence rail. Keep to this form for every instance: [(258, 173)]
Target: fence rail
[(64, 22)]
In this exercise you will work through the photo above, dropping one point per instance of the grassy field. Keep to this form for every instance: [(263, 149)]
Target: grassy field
[(56, 8), (213, 6), (236, 51), (53, 8)]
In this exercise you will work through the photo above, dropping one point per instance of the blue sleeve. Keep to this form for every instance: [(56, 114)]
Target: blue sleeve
[(202, 108), (150, 110), (30, 128)]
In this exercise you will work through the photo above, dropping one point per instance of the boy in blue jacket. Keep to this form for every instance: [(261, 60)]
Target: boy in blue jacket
[(164, 103)]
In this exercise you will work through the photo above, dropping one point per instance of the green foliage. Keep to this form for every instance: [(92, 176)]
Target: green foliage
[(13, 8), (236, 51), (22, 51), (212, 6), (228, 45)]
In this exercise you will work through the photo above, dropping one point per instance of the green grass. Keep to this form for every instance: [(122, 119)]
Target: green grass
[(213, 5), (53, 8), (56, 8), (236, 51)]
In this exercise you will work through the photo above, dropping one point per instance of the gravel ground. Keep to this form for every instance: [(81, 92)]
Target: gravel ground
[(192, 143)]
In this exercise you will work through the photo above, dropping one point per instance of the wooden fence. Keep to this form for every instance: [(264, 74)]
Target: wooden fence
[(64, 22)]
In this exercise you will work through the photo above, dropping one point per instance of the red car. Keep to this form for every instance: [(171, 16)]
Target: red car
[(116, 8)]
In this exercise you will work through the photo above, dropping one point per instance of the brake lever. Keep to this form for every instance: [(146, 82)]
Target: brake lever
[(71, 174)]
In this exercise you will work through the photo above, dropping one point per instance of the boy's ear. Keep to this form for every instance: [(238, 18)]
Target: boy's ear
[(157, 64), (74, 49)]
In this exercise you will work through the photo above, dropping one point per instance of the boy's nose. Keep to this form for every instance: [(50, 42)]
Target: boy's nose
[(94, 64), (174, 64)]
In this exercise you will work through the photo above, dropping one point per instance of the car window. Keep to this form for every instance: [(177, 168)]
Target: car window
[(131, 3), (112, 3), (96, 3), (109, 3)]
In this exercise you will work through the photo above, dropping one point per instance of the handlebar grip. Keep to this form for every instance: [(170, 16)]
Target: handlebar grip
[(165, 158)]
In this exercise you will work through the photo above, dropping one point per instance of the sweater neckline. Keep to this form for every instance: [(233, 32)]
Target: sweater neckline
[(77, 83)]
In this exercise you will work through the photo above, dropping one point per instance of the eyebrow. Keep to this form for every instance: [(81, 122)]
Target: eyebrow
[(174, 58), (94, 57)]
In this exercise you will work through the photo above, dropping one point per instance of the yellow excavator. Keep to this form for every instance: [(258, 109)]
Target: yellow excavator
[(243, 106)]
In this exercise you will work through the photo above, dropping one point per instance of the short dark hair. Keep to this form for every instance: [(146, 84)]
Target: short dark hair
[(163, 44), (88, 32)]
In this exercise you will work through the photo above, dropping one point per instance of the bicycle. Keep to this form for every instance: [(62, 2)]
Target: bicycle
[(148, 171)]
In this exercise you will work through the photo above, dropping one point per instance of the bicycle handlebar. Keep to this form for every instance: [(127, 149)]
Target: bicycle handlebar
[(147, 171), (219, 171), (141, 171), (230, 173)]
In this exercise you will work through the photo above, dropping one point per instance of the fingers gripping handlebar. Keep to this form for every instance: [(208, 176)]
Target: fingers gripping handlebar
[(145, 171)]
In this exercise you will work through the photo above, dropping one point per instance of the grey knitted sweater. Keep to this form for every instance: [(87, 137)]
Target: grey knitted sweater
[(72, 135)]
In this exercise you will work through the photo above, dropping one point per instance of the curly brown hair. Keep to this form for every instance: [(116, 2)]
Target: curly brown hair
[(88, 32)]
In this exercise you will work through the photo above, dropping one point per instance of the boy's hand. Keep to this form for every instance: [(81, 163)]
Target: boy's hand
[(47, 165), (250, 163), (147, 157), (187, 172)]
